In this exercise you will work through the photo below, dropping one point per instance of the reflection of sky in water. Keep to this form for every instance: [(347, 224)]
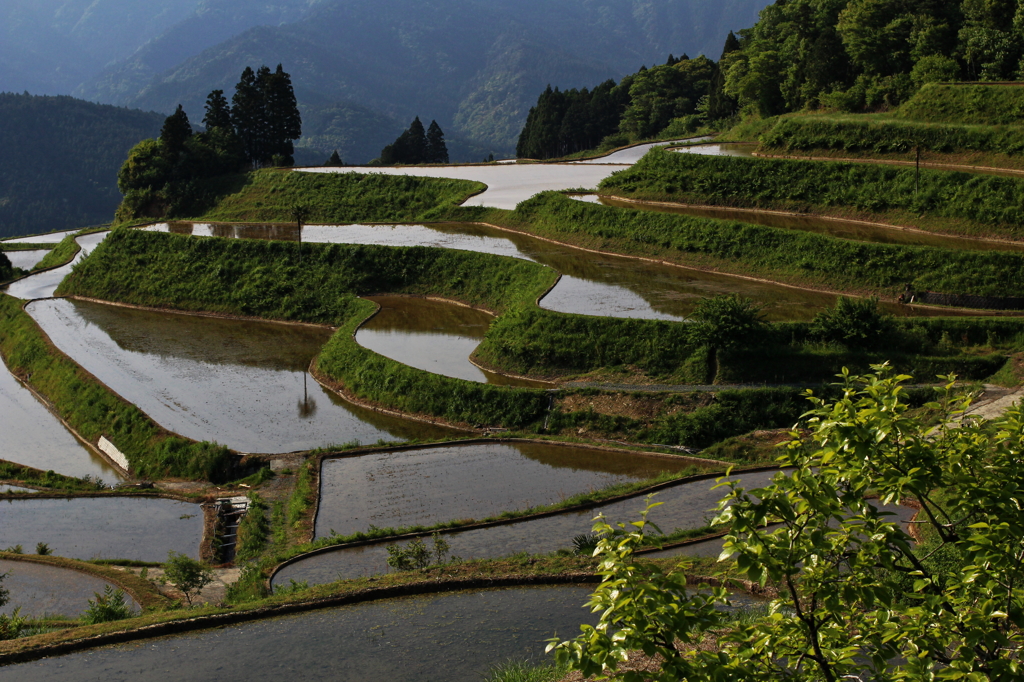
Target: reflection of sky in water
[(32, 436), (41, 590), (241, 384), (45, 283), (25, 260)]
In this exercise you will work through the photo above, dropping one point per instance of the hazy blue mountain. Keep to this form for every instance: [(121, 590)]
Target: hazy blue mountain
[(476, 66), (212, 22), (51, 46), (59, 158)]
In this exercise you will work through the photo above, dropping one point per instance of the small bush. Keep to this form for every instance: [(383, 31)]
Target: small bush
[(110, 606)]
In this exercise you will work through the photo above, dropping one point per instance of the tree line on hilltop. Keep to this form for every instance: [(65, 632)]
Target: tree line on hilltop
[(164, 176), (848, 55)]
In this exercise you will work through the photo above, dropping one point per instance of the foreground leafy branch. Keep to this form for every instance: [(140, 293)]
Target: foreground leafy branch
[(860, 597)]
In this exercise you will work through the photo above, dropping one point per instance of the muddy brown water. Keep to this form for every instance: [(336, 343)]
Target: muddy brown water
[(435, 336), (431, 485), (32, 436), (842, 229), (25, 260), (41, 590), (689, 505), (138, 528), (451, 637), (240, 383)]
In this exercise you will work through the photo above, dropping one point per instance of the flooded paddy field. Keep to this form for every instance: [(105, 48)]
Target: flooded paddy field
[(431, 485), (841, 229), (25, 260), (138, 528), (34, 437), (738, 149), (452, 637), (687, 505), (43, 284), (435, 336), (631, 155), (42, 590), (240, 383)]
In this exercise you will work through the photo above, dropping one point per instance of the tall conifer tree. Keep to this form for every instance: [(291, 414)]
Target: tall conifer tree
[(246, 114), (437, 150), (218, 113), (176, 130)]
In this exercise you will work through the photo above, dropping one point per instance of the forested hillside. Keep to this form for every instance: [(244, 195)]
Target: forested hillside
[(847, 55), (59, 158)]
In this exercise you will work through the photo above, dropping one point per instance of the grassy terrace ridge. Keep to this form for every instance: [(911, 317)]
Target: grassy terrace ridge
[(537, 342), (263, 279), (973, 103), (21, 475), (963, 203), (886, 136), (143, 591), (271, 195), (61, 254), (93, 410)]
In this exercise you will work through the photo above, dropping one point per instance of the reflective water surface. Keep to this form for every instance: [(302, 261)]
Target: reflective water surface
[(43, 285), (239, 383), (435, 336), (139, 528), (452, 637), (25, 260), (41, 590), (688, 505), (631, 155), (32, 436), (431, 485)]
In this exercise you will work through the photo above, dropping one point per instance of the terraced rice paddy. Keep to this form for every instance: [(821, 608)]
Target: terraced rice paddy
[(42, 590)]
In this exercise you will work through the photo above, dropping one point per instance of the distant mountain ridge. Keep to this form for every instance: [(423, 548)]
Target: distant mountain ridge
[(474, 66)]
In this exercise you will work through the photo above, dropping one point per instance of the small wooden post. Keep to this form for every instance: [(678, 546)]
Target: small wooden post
[(917, 174)]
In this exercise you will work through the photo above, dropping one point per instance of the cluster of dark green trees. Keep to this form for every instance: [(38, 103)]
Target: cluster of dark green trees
[(868, 54), (417, 145), (166, 176), (6, 269), (851, 55), (682, 93)]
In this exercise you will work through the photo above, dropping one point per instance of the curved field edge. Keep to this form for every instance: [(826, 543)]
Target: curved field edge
[(142, 591), (93, 410), (948, 201), (265, 279)]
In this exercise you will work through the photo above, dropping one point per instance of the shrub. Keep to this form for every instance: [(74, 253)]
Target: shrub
[(857, 323), (110, 606)]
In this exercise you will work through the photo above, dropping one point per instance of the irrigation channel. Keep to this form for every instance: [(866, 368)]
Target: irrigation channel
[(42, 590), (135, 528)]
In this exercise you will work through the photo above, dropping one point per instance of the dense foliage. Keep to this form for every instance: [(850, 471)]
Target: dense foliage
[(6, 269), (859, 597), (59, 158), (867, 54), (171, 175), (672, 99), (416, 145)]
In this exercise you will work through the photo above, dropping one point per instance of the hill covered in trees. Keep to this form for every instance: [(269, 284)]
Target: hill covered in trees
[(846, 55), (59, 158)]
